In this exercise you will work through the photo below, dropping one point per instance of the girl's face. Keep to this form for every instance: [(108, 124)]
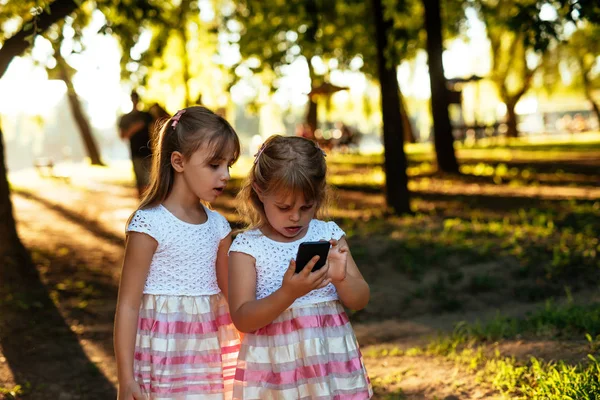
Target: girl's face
[(288, 216), (206, 177)]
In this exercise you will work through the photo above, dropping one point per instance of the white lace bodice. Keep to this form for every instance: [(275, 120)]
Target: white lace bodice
[(272, 259), (184, 263)]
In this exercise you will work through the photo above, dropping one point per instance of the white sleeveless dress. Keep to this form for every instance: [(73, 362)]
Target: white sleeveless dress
[(186, 345)]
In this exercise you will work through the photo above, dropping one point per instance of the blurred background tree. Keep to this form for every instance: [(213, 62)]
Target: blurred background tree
[(172, 52)]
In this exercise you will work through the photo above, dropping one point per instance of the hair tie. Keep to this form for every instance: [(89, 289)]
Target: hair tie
[(176, 117), (260, 151)]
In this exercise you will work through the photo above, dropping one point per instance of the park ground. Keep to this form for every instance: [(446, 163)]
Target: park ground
[(489, 291)]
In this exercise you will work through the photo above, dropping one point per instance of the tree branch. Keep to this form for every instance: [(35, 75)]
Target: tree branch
[(17, 44)]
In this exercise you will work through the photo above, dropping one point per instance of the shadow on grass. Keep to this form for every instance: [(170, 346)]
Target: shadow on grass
[(40, 348), (91, 225), (87, 295), (548, 180), (381, 393), (450, 203)]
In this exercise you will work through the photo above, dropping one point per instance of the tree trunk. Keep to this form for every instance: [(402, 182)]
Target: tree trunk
[(511, 99), (511, 120), (596, 108), (312, 117), (184, 8), (443, 139), (10, 245), (396, 179), (186, 75), (587, 87), (409, 133), (311, 114), (80, 118), (13, 47)]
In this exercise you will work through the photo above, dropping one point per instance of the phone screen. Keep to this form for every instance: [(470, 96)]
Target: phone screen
[(308, 250)]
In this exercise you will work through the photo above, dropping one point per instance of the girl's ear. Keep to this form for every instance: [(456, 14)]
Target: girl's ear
[(258, 191), (177, 161)]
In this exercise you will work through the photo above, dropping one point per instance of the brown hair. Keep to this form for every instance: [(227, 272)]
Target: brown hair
[(187, 131), (284, 164)]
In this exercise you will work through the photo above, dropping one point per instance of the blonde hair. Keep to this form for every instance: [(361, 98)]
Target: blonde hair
[(186, 132), (284, 165)]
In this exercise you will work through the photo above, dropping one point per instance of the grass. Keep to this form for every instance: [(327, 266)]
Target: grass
[(538, 250), (536, 378), (579, 142), (15, 392), (474, 347), (555, 321)]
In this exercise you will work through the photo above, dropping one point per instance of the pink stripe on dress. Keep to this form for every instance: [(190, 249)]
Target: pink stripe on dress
[(216, 388), (304, 322), (166, 379), (299, 374), (177, 360), (181, 327)]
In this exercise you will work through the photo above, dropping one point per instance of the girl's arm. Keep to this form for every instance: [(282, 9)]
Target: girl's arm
[(139, 250), (222, 265), (249, 314), (353, 290)]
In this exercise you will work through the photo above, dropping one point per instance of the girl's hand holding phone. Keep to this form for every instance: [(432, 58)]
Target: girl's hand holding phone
[(336, 261), (299, 284)]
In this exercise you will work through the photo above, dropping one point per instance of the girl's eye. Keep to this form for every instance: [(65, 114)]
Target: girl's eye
[(214, 166), (305, 208), (283, 208)]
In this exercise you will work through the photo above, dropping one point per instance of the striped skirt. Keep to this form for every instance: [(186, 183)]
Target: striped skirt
[(308, 352), (186, 347)]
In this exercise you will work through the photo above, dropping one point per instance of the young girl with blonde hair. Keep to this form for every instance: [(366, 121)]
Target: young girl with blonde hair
[(298, 342)]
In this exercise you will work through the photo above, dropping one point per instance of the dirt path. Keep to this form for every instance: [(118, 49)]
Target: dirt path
[(80, 270)]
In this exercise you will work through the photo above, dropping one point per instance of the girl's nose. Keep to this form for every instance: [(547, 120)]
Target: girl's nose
[(226, 176), (295, 217)]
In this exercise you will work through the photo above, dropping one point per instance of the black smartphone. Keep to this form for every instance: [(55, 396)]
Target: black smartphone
[(308, 250)]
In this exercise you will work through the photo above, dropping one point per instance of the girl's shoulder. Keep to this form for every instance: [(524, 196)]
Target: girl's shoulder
[(146, 220), (145, 215), (248, 242), (220, 223), (213, 213), (248, 235), (326, 229)]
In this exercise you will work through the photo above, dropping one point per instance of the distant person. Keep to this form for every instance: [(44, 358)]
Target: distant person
[(159, 116), (135, 126), (158, 113), (174, 338)]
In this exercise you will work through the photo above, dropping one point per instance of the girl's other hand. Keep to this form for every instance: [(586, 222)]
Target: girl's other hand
[(337, 261), (131, 390), (298, 284)]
